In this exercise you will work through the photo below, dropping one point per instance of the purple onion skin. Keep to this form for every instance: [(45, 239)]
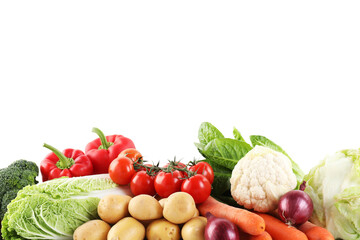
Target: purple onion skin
[(220, 229), (295, 207)]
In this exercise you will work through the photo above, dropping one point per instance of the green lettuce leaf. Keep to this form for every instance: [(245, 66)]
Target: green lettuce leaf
[(334, 187), (237, 135), (207, 132), (225, 151)]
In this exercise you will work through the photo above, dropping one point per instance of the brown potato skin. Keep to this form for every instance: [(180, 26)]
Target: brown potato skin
[(194, 229), (162, 229), (145, 207), (112, 208), (179, 208), (127, 228), (92, 230)]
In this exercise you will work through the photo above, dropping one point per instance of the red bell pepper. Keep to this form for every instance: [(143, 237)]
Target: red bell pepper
[(103, 150), (71, 163)]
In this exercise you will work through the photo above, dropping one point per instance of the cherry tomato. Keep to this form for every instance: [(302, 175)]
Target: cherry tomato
[(121, 170), (198, 187), (168, 183), (131, 153), (205, 169), (142, 183)]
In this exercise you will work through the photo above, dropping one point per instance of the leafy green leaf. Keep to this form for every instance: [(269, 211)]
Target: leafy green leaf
[(225, 151), (263, 141), (237, 135), (208, 132), (221, 183), (200, 146), (217, 167)]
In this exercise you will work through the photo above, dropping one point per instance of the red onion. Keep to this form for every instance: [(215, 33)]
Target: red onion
[(295, 207), (220, 228)]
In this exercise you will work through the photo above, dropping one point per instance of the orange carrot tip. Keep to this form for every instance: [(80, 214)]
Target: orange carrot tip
[(247, 221)]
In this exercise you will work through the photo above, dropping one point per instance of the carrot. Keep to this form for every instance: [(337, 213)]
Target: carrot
[(314, 232), (264, 236), (247, 221), (279, 230)]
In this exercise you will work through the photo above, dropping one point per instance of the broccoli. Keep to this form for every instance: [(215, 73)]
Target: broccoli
[(16, 176)]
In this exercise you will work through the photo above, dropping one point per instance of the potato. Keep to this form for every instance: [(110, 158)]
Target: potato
[(197, 213), (127, 228), (162, 202), (145, 207), (179, 208), (194, 229), (92, 230), (112, 208), (162, 229)]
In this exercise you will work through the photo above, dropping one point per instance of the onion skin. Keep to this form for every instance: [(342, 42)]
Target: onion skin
[(220, 229), (295, 207)]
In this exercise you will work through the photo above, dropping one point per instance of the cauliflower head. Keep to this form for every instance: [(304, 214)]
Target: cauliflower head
[(260, 178)]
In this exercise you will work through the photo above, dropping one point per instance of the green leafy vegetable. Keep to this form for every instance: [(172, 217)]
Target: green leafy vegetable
[(334, 187), (216, 167), (263, 141), (237, 135), (225, 151), (54, 209), (208, 132)]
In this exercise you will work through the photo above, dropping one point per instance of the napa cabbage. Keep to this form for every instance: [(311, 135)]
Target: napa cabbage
[(54, 209)]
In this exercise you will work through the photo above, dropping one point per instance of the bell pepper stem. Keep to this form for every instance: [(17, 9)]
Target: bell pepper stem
[(104, 143), (64, 162)]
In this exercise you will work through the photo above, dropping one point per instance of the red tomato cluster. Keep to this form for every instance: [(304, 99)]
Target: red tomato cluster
[(175, 176)]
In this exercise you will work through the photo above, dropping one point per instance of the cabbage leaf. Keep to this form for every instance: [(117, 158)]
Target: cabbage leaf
[(334, 187)]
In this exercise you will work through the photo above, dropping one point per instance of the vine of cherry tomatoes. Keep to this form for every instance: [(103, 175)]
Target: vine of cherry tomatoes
[(194, 178)]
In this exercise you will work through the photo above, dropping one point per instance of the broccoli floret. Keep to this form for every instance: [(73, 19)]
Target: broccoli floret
[(25, 165), (16, 176)]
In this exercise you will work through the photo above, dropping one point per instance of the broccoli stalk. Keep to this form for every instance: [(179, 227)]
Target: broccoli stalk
[(16, 176)]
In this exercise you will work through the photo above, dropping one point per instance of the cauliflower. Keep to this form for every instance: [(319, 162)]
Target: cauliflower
[(260, 178)]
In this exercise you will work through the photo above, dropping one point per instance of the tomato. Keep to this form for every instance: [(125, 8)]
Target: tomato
[(131, 153), (168, 183), (198, 187), (142, 183), (121, 170), (205, 169)]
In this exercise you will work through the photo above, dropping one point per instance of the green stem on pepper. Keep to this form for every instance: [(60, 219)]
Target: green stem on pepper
[(104, 143), (64, 162)]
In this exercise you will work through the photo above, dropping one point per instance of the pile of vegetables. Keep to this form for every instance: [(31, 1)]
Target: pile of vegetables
[(240, 190), (260, 177)]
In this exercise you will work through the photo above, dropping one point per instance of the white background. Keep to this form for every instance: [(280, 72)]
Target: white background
[(154, 70)]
